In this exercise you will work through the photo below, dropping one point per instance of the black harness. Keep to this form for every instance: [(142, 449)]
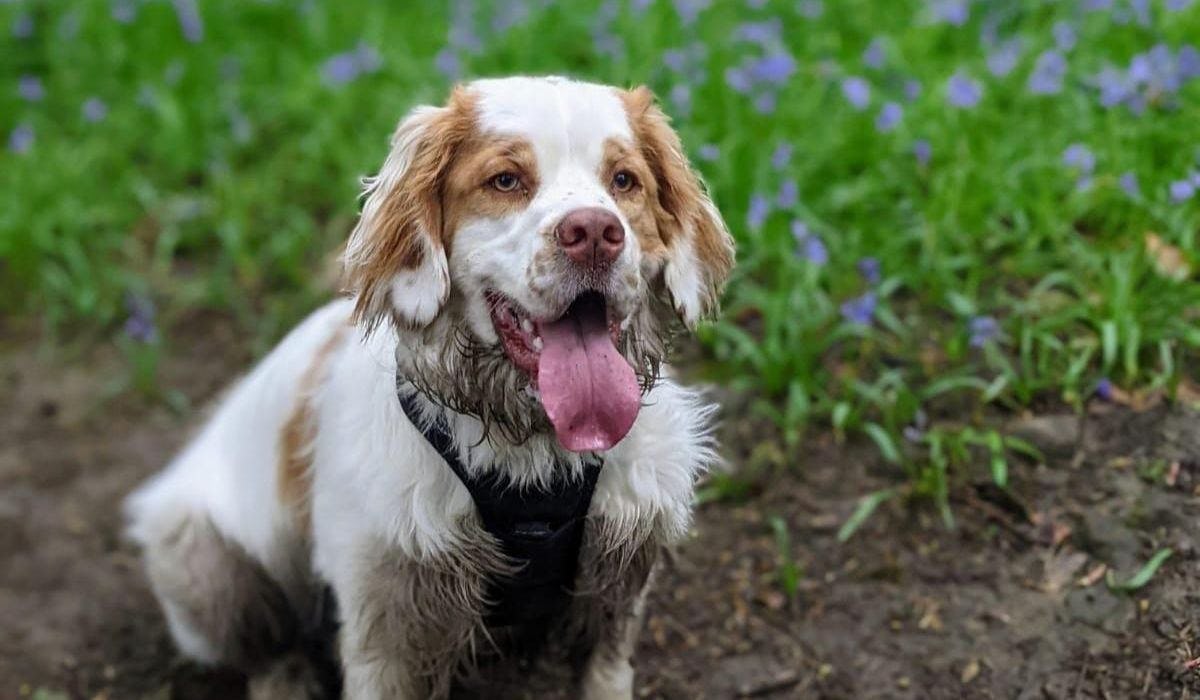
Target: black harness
[(540, 529)]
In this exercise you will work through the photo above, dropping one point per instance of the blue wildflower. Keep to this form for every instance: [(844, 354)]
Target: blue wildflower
[(94, 110), (922, 151), (1080, 157), (1003, 59), (781, 156), (873, 56), (1178, 5), (912, 89), (775, 68), (952, 12), (789, 194), (189, 20), (139, 326), (22, 26), (709, 152), (857, 92), (1182, 190), (889, 117), (811, 9), (809, 246), (689, 10), (30, 88), (738, 79), (347, 66), (681, 99), (124, 11), (1065, 37), (860, 310), (1048, 73), (870, 269), (759, 210), (20, 141), (962, 91), (765, 102), (1104, 389), (1097, 5), (1129, 184), (447, 62), (983, 329), (766, 33), (1141, 11)]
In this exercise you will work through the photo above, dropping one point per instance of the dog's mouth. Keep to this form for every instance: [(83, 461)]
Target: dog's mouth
[(587, 388)]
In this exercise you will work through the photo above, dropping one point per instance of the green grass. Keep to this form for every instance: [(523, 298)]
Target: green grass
[(226, 171)]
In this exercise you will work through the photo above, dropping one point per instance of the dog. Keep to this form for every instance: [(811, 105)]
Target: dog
[(521, 263)]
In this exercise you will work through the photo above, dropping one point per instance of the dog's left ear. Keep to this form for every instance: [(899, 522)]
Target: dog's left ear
[(395, 260), (699, 249)]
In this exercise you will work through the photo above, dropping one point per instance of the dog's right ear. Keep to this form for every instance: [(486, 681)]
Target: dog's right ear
[(395, 260)]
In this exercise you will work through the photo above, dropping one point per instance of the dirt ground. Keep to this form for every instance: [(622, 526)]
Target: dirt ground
[(1010, 604)]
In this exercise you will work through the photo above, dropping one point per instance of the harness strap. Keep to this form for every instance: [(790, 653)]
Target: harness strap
[(541, 529)]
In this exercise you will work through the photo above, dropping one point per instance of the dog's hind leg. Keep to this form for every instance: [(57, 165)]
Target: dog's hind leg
[(222, 607)]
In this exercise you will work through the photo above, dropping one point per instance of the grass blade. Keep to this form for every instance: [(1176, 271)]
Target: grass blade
[(866, 506)]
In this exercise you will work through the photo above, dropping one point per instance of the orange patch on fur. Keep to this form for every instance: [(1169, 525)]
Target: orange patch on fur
[(468, 193), (408, 224), (294, 483), (681, 205), (641, 206)]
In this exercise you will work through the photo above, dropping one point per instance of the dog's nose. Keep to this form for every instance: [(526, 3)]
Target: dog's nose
[(591, 237)]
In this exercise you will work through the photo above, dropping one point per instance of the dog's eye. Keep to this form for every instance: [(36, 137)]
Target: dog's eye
[(623, 181), (506, 182)]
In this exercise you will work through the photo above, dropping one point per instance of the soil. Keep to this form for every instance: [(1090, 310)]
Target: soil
[(1008, 604)]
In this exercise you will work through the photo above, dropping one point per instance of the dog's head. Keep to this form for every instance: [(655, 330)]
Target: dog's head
[(534, 241)]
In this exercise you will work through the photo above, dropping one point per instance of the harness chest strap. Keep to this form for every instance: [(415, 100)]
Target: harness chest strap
[(541, 529)]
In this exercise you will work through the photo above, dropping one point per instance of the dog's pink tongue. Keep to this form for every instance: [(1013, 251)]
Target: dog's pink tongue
[(588, 390)]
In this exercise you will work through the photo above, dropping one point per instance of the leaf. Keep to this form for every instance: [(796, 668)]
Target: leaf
[(866, 506), (883, 440), (1143, 575)]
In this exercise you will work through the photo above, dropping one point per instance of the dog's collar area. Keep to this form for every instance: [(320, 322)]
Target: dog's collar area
[(540, 529)]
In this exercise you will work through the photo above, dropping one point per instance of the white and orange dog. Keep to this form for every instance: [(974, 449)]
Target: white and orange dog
[(521, 260)]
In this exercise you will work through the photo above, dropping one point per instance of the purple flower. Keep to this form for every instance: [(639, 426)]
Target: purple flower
[(873, 56), (709, 152), (1097, 5), (94, 110), (1115, 87), (922, 151), (811, 9), (764, 102), (1141, 11), (189, 20), (22, 26), (681, 99), (1129, 184), (781, 156), (889, 116), (952, 12), (912, 89), (1080, 157), (756, 215), (1048, 73), (124, 11), (347, 66), (689, 10), (1065, 37), (30, 88), (446, 62), (1178, 5), (809, 246), (860, 310), (774, 68), (1187, 62), (764, 33), (1104, 389), (1182, 190), (139, 326), (789, 194), (983, 329), (1003, 59), (21, 139), (857, 92), (738, 79), (870, 269), (962, 91)]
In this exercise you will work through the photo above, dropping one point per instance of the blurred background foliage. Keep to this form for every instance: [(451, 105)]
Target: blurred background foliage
[(944, 209)]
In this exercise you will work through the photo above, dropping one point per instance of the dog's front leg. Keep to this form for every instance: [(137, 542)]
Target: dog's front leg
[(408, 624), (615, 576)]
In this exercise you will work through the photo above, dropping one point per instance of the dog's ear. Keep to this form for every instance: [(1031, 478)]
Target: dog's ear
[(395, 260), (699, 249)]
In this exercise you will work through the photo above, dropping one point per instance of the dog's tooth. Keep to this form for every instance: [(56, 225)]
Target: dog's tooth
[(537, 343), (527, 325)]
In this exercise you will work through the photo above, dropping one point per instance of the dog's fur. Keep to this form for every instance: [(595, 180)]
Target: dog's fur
[(310, 474)]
